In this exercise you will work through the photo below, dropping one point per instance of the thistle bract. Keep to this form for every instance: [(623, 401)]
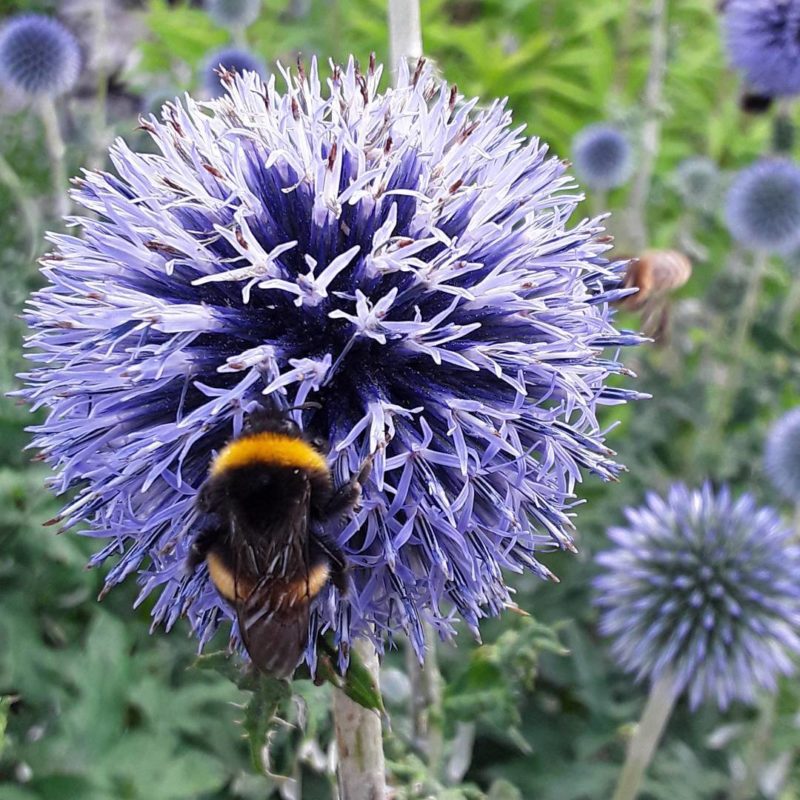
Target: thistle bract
[(782, 455), (603, 157), (762, 208), (38, 56), (704, 587), (230, 59), (763, 42), (403, 260), (233, 13)]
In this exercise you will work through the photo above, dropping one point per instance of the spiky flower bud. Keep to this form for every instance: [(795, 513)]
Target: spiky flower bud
[(703, 587), (229, 59), (400, 258), (38, 56), (603, 157), (782, 455), (697, 181), (762, 208)]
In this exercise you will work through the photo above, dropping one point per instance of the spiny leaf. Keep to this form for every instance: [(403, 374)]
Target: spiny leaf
[(357, 683), (259, 714)]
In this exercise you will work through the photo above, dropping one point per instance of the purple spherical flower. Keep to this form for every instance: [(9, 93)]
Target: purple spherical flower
[(763, 41), (703, 587), (782, 455), (400, 258), (603, 156), (762, 208), (38, 56), (232, 59)]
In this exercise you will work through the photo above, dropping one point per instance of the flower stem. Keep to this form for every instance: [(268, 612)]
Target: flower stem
[(641, 747), (56, 151), (790, 307), (426, 701), (359, 740), (405, 33), (747, 787), (99, 123), (731, 377), (27, 208), (651, 128)]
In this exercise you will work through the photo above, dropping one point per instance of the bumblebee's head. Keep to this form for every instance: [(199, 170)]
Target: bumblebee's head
[(265, 420), (273, 420)]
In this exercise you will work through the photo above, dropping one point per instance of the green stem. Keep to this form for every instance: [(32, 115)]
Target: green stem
[(598, 203), (359, 739), (99, 125), (747, 787), (426, 701), (642, 746), (731, 378), (56, 152), (405, 33), (651, 128), (790, 308), (27, 208)]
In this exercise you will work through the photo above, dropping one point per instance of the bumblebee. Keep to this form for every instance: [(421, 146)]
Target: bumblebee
[(258, 507)]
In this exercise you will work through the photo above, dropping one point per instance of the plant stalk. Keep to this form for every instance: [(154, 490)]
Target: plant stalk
[(747, 787), (426, 701), (651, 128), (359, 739), (56, 152), (405, 33), (642, 746), (27, 208), (790, 308)]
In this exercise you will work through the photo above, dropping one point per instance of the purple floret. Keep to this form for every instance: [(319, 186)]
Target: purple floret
[(402, 258)]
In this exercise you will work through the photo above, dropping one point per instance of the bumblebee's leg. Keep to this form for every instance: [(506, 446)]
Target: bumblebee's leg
[(346, 497), (327, 551), (211, 531)]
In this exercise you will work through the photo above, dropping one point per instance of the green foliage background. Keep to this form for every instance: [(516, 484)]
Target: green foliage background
[(97, 708)]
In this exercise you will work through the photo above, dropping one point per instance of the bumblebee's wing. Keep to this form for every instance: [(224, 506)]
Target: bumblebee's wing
[(273, 613)]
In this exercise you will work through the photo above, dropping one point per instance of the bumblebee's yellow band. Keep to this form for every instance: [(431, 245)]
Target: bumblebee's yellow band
[(272, 449)]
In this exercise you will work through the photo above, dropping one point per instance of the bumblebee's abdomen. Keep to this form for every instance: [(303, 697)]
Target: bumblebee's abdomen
[(279, 593), (231, 587), (269, 449)]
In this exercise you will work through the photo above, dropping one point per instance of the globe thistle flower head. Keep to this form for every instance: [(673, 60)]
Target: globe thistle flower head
[(401, 259), (603, 157), (702, 586), (762, 207), (762, 38), (233, 13), (782, 456), (229, 59), (697, 181), (38, 56)]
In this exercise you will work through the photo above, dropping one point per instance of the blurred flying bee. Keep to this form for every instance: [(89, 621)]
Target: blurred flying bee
[(265, 491), (656, 273)]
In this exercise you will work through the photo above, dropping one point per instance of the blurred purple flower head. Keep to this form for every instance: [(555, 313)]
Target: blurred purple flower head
[(704, 587), (38, 56), (401, 258), (233, 59), (762, 208), (763, 42), (233, 13), (782, 455), (603, 157)]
